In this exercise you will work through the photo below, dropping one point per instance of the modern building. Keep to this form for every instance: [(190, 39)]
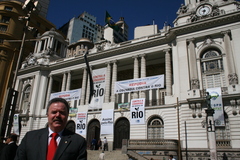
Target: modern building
[(11, 35), (85, 26), (42, 6), (151, 94), (82, 26)]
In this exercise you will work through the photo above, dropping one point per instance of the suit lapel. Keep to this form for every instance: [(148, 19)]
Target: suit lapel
[(43, 140), (64, 143)]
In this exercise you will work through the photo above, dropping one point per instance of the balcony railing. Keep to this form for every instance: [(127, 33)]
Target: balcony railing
[(224, 143), (152, 144)]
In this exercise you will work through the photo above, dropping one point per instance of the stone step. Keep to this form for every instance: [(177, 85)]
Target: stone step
[(109, 155)]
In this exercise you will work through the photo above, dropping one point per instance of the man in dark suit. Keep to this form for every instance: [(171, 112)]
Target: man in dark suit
[(9, 150), (70, 146)]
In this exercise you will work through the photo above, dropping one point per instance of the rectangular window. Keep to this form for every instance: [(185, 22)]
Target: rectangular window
[(5, 19), (3, 28), (7, 8)]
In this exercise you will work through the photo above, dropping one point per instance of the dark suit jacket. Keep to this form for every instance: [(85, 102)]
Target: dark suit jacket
[(9, 152), (34, 146)]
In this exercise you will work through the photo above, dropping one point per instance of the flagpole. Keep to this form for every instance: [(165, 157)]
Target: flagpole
[(153, 27)]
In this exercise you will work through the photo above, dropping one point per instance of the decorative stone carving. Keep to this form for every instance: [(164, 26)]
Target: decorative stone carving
[(183, 9), (102, 45), (233, 78), (208, 41), (194, 84), (38, 58)]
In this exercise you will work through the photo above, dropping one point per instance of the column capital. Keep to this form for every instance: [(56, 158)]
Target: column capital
[(135, 56), (191, 39), (114, 61), (109, 62), (142, 55), (167, 50), (225, 32)]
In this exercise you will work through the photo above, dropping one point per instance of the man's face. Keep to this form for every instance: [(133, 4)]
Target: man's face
[(57, 116)]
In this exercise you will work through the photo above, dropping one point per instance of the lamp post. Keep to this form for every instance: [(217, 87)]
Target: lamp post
[(85, 45), (211, 128), (12, 95)]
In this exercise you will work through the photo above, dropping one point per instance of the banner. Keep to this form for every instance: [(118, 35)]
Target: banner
[(73, 112), (99, 78), (123, 106), (139, 84), (107, 121), (16, 124), (68, 95), (81, 123), (137, 111), (217, 105)]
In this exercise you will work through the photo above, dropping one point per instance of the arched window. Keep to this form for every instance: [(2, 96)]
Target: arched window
[(212, 69), (71, 126), (26, 98), (155, 128)]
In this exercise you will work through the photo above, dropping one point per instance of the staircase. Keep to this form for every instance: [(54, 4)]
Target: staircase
[(109, 155), (135, 155)]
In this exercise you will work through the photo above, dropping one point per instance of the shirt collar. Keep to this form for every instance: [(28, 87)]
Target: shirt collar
[(10, 142), (50, 132)]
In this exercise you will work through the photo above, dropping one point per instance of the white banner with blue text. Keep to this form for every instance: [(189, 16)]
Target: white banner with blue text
[(107, 121)]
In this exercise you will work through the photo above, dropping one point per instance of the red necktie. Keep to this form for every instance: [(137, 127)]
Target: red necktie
[(52, 147)]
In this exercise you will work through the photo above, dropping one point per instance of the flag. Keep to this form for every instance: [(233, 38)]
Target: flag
[(110, 22)]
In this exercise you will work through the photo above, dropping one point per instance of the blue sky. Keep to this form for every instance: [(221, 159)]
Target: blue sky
[(135, 12)]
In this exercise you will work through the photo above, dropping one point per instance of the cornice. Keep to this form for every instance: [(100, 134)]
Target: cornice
[(207, 23), (150, 41)]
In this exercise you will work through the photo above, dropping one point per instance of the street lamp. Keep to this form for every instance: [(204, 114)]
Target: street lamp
[(12, 95), (85, 45), (211, 128)]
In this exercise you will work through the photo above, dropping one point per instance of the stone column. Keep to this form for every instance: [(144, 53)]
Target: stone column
[(45, 44), (84, 81), (232, 76), (192, 61), (168, 70), (143, 73), (135, 73), (107, 80), (64, 82), (114, 79), (68, 81), (49, 89)]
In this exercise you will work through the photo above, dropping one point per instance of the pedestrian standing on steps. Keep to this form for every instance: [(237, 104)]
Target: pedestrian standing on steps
[(105, 144), (100, 144)]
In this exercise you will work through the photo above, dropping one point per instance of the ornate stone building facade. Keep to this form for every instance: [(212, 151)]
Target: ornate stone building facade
[(200, 52), (11, 34)]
